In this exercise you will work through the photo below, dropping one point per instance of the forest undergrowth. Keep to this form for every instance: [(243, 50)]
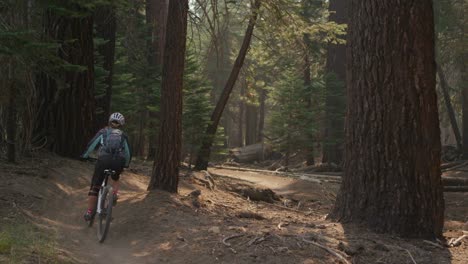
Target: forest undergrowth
[(219, 216)]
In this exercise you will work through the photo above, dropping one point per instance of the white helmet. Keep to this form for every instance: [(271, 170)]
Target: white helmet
[(118, 117)]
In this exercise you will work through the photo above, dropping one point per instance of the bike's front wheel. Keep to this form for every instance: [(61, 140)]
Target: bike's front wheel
[(105, 217)]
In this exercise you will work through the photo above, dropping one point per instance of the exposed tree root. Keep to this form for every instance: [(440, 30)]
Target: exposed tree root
[(329, 250), (230, 237)]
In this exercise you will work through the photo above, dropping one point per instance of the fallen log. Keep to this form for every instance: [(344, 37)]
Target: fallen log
[(465, 163), (448, 165), (452, 184), (455, 188), (250, 153), (258, 194), (326, 178), (454, 181)]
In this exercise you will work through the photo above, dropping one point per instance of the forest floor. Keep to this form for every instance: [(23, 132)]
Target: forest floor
[(42, 201)]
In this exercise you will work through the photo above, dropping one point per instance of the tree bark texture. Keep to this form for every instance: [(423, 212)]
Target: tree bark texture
[(335, 87), (261, 115), (66, 114), (105, 22), (251, 117), (308, 84), (156, 19), (241, 114), (205, 150), (392, 177), (465, 105), (451, 113), (165, 173)]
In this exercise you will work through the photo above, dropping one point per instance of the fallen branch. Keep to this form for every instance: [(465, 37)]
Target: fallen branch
[(411, 256), (230, 237), (329, 250), (456, 167), (456, 242), (210, 179), (449, 165), (280, 225), (256, 240), (289, 209), (433, 244)]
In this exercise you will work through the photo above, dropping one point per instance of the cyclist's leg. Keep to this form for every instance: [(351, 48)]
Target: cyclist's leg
[(96, 182), (117, 166)]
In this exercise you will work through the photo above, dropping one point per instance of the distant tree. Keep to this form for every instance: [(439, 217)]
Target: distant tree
[(392, 173), (196, 107), (450, 26), (105, 20), (291, 117), (204, 153), (165, 173), (335, 93)]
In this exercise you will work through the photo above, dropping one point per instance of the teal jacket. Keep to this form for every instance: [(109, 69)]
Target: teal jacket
[(98, 140)]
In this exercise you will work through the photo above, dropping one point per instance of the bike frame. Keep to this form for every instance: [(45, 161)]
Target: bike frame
[(104, 186)]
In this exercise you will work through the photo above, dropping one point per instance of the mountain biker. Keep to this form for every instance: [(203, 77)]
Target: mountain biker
[(114, 153)]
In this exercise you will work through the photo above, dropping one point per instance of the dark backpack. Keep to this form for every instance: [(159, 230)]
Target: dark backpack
[(113, 142)]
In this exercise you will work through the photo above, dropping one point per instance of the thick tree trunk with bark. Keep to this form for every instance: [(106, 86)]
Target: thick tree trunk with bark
[(105, 22), (465, 105), (448, 104), (74, 114), (241, 114), (251, 117), (335, 83), (261, 115), (308, 84), (205, 150), (156, 19), (165, 173), (392, 177), (66, 115)]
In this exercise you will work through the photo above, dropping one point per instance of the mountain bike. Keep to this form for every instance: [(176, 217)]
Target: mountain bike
[(105, 202)]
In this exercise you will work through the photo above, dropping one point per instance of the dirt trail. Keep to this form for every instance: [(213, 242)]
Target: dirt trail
[(157, 227)]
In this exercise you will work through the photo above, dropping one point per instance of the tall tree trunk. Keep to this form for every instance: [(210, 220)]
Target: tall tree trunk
[(261, 115), (464, 83), (308, 84), (465, 104), (251, 124), (241, 114), (335, 87), (11, 116), (448, 104), (204, 153), (74, 114), (156, 19), (392, 177), (165, 173), (105, 22), (66, 114)]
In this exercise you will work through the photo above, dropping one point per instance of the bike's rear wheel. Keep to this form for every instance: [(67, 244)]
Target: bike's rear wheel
[(105, 217)]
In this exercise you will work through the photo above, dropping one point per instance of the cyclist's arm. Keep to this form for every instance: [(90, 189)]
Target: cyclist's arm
[(127, 152), (97, 139)]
